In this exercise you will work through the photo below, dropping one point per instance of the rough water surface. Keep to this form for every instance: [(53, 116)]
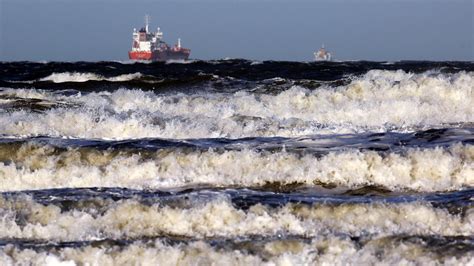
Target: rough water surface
[(235, 162)]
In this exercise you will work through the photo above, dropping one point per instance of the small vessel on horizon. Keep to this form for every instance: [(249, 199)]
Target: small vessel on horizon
[(322, 54), (150, 46)]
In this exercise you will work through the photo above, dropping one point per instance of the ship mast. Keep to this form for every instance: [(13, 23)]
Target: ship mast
[(147, 21)]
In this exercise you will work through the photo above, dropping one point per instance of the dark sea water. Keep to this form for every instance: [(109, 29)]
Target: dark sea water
[(237, 162)]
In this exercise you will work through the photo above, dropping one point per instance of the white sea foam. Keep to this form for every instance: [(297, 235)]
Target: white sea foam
[(180, 61), (219, 218), (320, 251), (438, 169), (83, 77), (324, 233), (378, 101), (131, 62)]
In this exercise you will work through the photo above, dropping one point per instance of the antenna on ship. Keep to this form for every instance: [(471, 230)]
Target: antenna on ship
[(147, 21)]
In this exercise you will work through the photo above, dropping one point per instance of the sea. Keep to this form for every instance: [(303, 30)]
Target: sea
[(237, 162)]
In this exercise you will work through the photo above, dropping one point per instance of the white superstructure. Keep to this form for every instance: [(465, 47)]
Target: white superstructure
[(144, 40), (322, 54)]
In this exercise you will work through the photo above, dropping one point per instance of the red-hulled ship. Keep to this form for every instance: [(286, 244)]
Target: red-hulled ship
[(149, 46)]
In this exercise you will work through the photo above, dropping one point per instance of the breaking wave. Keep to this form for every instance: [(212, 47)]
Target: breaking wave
[(219, 218), (379, 101), (38, 167), (84, 77), (236, 162), (328, 250)]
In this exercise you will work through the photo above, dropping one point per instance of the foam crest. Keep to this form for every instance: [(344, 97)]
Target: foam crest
[(40, 167), (320, 251), (83, 77), (8, 94), (219, 218), (378, 101)]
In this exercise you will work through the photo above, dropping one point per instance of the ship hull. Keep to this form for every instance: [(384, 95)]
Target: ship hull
[(158, 55)]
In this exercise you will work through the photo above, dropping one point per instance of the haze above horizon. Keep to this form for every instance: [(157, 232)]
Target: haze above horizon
[(257, 30)]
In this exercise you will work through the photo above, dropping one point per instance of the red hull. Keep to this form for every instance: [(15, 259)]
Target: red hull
[(160, 55)]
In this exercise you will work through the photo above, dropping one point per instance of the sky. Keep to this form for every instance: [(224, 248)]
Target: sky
[(379, 30)]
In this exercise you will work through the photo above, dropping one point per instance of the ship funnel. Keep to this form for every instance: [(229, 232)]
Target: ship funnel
[(179, 42), (147, 21)]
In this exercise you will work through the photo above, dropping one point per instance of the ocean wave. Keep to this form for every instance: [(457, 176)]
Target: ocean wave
[(26, 219), (84, 77), (180, 61), (236, 162), (238, 68), (320, 250), (40, 167), (379, 101)]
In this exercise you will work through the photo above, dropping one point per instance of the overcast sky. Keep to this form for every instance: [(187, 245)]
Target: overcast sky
[(68, 30)]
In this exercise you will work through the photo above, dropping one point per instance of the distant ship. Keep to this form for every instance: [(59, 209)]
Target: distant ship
[(322, 55), (149, 46)]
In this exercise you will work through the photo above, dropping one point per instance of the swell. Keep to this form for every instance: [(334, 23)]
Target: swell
[(457, 202), (315, 144), (227, 76), (240, 69)]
